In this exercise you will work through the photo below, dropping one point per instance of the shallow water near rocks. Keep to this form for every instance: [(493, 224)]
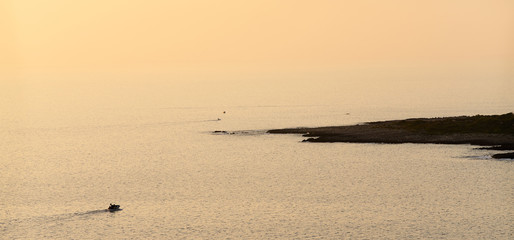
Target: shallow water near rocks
[(175, 179)]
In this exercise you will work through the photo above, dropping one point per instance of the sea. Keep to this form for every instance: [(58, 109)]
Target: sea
[(175, 178)]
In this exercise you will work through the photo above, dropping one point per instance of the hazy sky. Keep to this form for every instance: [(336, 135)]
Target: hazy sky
[(340, 41)]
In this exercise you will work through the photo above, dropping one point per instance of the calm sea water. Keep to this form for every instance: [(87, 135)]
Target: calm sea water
[(174, 179)]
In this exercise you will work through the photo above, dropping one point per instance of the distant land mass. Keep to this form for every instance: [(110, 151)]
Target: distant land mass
[(496, 131)]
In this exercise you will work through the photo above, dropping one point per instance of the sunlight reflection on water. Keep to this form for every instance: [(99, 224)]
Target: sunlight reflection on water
[(175, 179)]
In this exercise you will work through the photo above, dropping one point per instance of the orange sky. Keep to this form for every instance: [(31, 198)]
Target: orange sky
[(169, 34), (289, 39)]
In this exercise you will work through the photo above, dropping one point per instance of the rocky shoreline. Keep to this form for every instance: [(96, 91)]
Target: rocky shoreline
[(496, 131)]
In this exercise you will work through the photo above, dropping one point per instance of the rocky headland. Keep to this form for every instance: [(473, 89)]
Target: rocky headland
[(495, 131)]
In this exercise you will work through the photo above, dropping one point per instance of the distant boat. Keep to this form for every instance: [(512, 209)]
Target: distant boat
[(114, 207)]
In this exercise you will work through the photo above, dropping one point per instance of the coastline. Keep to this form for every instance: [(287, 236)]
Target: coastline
[(496, 131)]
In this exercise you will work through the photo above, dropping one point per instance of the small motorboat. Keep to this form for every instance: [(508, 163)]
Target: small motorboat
[(113, 207)]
